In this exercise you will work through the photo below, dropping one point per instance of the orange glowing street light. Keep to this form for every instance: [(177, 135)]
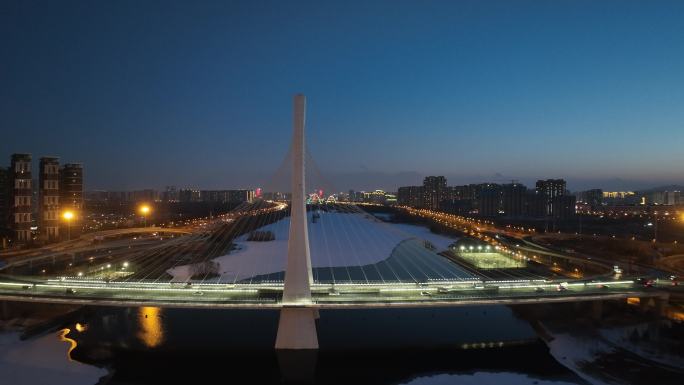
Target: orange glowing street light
[(68, 216), (144, 211)]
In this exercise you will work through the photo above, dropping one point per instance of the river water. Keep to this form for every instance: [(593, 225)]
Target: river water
[(391, 346)]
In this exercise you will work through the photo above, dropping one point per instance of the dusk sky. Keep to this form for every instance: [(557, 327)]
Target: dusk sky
[(195, 94)]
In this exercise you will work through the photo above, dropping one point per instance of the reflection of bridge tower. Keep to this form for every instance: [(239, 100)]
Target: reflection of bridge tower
[(297, 326)]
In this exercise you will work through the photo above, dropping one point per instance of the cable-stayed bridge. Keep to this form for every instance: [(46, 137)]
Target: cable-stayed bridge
[(298, 255)]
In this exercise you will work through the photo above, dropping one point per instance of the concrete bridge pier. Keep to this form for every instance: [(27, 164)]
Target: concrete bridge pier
[(297, 328), (660, 306), (655, 305), (644, 304), (297, 366)]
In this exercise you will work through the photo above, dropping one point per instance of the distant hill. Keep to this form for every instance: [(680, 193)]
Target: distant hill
[(672, 187)]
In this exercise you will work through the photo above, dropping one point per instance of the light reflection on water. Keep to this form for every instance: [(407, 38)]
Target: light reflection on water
[(140, 344), (63, 337), (151, 331)]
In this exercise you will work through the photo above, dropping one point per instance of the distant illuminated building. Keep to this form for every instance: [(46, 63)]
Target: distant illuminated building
[(671, 198), (535, 204), (593, 198), (434, 192), (221, 196), (188, 195), (513, 199), (489, 201), (390, 199), (617, 194), (49, 199), (4, 206), (563, 207), (624, 197), (551, 188), (170, 194), (410, 196), (377, 196), (21, 196), (71, 196)]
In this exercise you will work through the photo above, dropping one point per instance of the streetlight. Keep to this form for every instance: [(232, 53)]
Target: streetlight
[(144, 211), (68, 216)]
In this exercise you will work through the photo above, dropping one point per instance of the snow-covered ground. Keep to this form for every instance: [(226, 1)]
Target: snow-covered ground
[(575, 352), (599, 357), (441, 242), (43, 360), (650, 349), (336, 239)]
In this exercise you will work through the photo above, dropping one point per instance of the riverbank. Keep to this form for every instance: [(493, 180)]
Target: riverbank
[(43, 359)]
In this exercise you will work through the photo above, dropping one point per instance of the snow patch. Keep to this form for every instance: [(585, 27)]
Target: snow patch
[(336, 240), (42, 360), (484, 378)]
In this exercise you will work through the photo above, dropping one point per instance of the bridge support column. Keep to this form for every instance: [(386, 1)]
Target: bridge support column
[(644, 304), (660, 306), (297, 328), (297, 324)]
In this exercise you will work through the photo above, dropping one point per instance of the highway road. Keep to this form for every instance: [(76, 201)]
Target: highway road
[(457, 293)]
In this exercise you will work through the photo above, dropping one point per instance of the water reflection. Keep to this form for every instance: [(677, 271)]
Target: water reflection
[(81, 327), (360, 346), (151, 331), (63, 337)]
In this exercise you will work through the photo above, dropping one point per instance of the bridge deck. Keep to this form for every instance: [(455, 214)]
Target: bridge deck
[(437, 294)]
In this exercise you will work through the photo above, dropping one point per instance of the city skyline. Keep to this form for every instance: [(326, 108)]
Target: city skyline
[(476, 92), (373, 192), (371, 181)]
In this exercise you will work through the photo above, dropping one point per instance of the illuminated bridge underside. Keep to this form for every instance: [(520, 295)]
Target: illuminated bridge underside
[(436, 294)]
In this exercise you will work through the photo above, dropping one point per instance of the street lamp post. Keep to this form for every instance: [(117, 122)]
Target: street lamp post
[(68, 216), (144, 211)]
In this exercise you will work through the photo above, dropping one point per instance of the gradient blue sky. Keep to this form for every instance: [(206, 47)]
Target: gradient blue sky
[(149, 93)]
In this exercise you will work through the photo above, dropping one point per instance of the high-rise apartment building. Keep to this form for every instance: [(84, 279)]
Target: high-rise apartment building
[(4, 206), (188, 195), (4, 197), (48, 199), (513, 199), (227, 196), (170, 194), (20, 199), (551, 188), (489, 201), (563, 207), (410, 196), (535, 204), (671, 197), (71, 197), (593, 197), (434, 192)]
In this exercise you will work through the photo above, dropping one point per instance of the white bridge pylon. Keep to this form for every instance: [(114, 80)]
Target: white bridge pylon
[(297, 324)]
